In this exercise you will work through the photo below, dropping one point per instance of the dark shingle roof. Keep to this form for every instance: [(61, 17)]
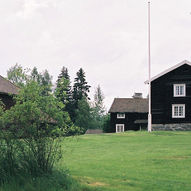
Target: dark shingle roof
[(129, 105), (7, 87)]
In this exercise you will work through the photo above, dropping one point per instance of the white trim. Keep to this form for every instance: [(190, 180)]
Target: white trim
[(169, 70), (178, 105), (184, 90), (120, 115), (121, 125)]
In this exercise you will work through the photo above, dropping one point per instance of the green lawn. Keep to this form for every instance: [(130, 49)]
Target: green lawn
[(130, 161)]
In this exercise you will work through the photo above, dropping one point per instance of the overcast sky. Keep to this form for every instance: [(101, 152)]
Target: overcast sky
[(107, 38)]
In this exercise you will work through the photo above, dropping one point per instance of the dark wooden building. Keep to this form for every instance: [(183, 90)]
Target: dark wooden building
[(171, 98), (7, 90), (128, 114)]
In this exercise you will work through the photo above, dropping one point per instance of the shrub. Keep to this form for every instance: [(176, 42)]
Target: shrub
[(106, 124), (30, 133)]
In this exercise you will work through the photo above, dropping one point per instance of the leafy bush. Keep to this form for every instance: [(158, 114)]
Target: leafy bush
[(30, 133), (106, 124)]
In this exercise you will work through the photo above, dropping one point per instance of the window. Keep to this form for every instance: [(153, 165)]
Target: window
[(121, 115), (179, 90), (178, 111), (119, 128)]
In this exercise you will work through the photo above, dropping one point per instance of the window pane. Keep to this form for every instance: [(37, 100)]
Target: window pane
[(175, 110), (181, 90), (177, 90), (180, 110)]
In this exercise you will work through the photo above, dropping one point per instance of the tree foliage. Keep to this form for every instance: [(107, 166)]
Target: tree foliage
[(20, 76), (44, 79), (63, 90), (98, 108), (17, 75), (81, 87), (83, 115)]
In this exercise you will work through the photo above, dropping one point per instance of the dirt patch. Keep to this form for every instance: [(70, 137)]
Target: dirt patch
[(97, 184), (178, 157), (89, 181)]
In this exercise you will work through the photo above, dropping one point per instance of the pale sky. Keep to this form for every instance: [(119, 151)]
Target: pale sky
[(107, 38)]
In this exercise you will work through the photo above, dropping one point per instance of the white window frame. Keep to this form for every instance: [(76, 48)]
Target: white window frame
[(184, 90), (121, 116), (121, 125), (173, 110)]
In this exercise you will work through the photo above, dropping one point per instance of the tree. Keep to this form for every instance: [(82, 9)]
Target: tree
[(20, 77), (17, 75), (63, 87), (63, 91), (64, 74), (83, 115), (99, 101), (98, 109), (44, 79), (35, 76), (80, 88)]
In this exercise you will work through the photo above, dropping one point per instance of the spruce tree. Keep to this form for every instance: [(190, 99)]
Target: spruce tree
[(80, 91), (80, 88), (63, 74), (63, 91)]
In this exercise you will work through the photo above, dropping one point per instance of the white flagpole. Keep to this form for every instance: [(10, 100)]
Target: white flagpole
[(149, 62)]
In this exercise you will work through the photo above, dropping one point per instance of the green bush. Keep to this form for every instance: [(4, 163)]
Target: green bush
[(106, 124), (30, 133), (9, 161)]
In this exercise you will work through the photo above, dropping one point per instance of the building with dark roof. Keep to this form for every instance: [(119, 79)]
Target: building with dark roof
[(7, 90), (171, 98), (129, 113)]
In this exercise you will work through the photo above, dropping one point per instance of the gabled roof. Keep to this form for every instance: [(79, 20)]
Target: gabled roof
[(131, 105), (169, 70), (7, 87)]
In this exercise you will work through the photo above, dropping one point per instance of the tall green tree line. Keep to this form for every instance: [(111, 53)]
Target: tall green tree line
[(82, 111)]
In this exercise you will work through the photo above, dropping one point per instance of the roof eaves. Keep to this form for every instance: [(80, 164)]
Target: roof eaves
[(16, 87)]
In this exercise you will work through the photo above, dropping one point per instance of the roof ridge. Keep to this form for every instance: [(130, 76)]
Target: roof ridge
[(169, 70), (130, 105)]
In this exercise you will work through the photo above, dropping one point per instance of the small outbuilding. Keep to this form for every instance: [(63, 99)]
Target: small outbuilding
[(129, 113), (7, 90)]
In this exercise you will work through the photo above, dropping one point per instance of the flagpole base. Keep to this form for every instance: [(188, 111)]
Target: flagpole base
[(149, 123)]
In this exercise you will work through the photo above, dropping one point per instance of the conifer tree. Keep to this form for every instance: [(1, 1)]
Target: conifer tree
[(81, 87), (80, 91), (63, 74), (63, 91)]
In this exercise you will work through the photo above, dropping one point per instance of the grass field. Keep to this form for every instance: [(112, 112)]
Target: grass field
[(131, 161)]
